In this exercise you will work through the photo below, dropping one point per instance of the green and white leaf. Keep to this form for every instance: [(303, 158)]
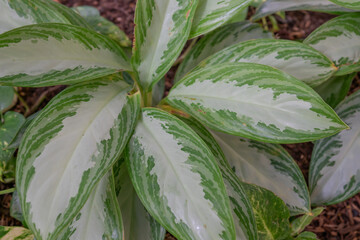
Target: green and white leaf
[(271, 214), (161, 31), (102, 25), (138, 223), (217, 40), (294, 58), (255, 101), (18, 13), (6, 97), (211, 14), (53, 53), (339, 39), (334, 170), (177, 179), (272, 6), (352, 4), (299, 224), (18, 233), (243, 215), (268, 166), (335, 89), (73, 142), (100, 218), (8, 129)]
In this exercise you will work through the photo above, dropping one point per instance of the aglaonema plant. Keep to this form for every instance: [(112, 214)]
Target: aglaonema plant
[(102, 161)]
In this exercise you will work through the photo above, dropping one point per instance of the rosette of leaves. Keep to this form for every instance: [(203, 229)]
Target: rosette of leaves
[(100, 161)]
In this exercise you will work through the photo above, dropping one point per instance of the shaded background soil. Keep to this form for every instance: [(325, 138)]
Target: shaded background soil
[(340, 221)]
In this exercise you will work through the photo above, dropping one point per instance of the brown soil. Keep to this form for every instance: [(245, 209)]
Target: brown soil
[(340, 221)]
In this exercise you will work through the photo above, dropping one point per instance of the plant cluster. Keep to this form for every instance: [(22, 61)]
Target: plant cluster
[(109, 158)]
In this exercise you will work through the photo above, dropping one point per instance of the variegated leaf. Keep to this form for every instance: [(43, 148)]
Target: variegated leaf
[(73, 142), (100, 218), (53, 53), (243, 216), (335, 89), (255, 101), (334, 168), (138, 223), (272, 6), (294, 58), (218, 40), (18, 13), (211, 14), (102, 25), (272, 215), (339, 39), (11, 124), (269, 166), (352, 4), (161, 30), (15, 233), (176, 177)]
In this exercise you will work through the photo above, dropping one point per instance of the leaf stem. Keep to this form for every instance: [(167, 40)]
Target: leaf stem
[(6, 191), (182, 57), (26, 106), (146, 98)]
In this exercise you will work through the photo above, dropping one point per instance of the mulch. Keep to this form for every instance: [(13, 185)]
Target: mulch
[(340, 221)]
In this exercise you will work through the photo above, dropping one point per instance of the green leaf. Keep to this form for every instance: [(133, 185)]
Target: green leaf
[(161, 31), (211, 14), (8, 129), (294, 58), (334, 174), (268, 166), (100, 218), (15, 143), (18, 13), (339, 39), (176, 178), (335, 89), (158, 92), (239, 17), (6, 97), (138, 223), (218, 40), (52, 54), (352, 4), (243, 216), (255, 101), (347, 69), (272, 215), (299, 224), (18, 233), (272, 6), (102, 25), (74, 141), (15, 208), (307, 236)]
